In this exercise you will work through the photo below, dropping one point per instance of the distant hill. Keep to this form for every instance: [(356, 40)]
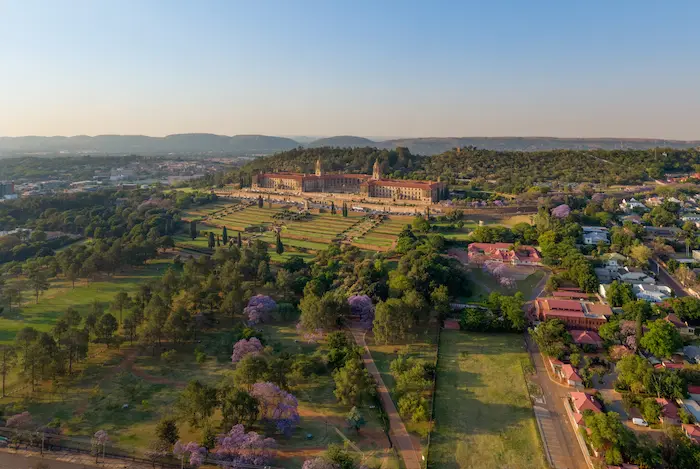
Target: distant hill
[(141, 144), (342, 141), (240, 145), (433, 146)]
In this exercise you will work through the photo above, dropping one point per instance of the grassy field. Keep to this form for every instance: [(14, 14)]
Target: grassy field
[(483, 284), (484, 418), (61, 295)]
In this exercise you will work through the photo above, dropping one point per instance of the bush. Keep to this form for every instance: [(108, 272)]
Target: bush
[(169, 357), (199, 356), (414, 406)]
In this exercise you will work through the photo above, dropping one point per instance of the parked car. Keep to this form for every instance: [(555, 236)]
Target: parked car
[(640, 422)]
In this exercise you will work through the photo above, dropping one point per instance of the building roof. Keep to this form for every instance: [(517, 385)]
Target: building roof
[(693, 389), (668, 408), (570, 373), (570, 294), (563, 305), (403, 183), (583, 401), (675, 320), (599, 309), (586, 337), (693, 432)]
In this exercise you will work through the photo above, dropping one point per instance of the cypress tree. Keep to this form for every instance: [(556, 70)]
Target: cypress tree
[(240, 240), (211, 242), (332, 208), (279, 248), (193, 230), (260, 201), (224, 235)]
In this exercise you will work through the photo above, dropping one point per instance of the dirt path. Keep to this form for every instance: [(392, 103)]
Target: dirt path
[(399, 435)]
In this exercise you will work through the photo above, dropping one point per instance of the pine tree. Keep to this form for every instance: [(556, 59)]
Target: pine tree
[(279, 248), (212, 242), (193, 230), (224, 236)]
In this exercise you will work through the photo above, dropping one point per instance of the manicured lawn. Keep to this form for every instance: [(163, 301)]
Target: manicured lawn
[(484, 283), (61, 295), (484, 417)]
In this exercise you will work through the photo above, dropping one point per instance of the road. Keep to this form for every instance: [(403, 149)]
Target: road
[(557, 432), (399, 436), (19, 461), (667, 279)]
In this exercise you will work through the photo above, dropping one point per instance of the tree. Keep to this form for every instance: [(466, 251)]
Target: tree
[(355, 419), (193, 230), (238, 407), (651, 410), (608, 434), (322, 313), (352, 382), (332, 208), (420, 224), (240, 241), (7, 361), (633, 372), (279, 247), (513, 309), (251, 369), (121, 301), (662, 339), (640, 254), (620, 294), (37, 281), (685, 275), (73, 273), (277, 406), (211, 241), (224, 236), (551, 336), (166, 431), (106, 327), (246, 347), (196, 403), (392, 319)]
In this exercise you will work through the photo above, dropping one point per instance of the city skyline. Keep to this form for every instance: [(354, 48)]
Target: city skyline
[(409, 69)]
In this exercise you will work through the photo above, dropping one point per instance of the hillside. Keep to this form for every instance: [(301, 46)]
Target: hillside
[(342, 141), (141, 144)]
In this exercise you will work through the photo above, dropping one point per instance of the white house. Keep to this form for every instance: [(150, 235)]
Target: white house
[(593, 235), (631, 204), (650, 292), (613, 261), (683, 328)]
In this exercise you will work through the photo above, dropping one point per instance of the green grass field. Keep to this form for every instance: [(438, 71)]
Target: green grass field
[(484, 417), (484, 283), (61, 295)]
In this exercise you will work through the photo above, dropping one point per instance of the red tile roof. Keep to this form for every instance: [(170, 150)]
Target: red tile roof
[(675, 320), (583, 401), (570, 294), (668, 408), (570, 373), (586, 337), (564, 305), (693, 432), (693, 389)]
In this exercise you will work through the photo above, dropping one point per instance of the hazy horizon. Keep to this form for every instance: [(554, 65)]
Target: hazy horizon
[(314, 68)]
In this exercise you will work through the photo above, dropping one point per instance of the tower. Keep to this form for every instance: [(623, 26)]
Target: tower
[(319, 172), (376, 172)]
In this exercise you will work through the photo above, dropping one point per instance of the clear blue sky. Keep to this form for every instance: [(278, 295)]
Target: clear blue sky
[(613, 68)]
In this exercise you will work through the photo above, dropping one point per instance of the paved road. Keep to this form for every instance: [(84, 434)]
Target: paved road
[(667, 279), (399, 436), (557, 432)]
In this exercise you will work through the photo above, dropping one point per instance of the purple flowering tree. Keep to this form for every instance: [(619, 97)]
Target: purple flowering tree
[(319, 463), (196, 453), (277, 406), (361, 306), (246, 347), (19, 421), (260, 309), (507, 282), (238, 447)]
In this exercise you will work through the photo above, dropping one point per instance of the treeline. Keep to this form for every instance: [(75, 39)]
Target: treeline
[(76, 167), (512, 171)]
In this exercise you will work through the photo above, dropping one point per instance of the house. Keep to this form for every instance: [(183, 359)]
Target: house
[(694, 392), (683, 327), (628, 205), (634, 218), (692, 407), (586, 338), (575, 314), (506, 253), (692, 432), (633, 276), (613, 261), (593, 235), (580, 402), (692, 353), (652, 293), (669, 412), (668, 232), (566, 372)]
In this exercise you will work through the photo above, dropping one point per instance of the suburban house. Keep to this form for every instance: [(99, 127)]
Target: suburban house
[(566, 372), (586, 338), (682, 326), (666, 232), (613, 261), (669, 412), (575, 314), (692, 432), (633, 218), (652, 293), (628, 205), (633, 276), (692, 353), (692, 407), (694, 392), (580, 402), (478, 253), (593, 235)]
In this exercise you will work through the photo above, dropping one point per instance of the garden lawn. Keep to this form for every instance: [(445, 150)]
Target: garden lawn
[(485, 284), (60, 296), (483, 415)]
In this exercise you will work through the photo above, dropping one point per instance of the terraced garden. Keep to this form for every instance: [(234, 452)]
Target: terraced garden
[(384, 234)]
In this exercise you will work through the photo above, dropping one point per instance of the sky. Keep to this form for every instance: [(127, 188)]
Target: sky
[(335, 67)]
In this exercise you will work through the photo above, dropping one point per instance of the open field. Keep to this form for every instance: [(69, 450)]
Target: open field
[(484, 284), (484, 418), (61, 295)]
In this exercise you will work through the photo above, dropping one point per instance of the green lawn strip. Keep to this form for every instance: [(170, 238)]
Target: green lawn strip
[(483, 414)]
